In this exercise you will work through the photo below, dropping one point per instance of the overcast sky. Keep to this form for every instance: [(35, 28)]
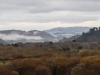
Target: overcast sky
[(47, 14)]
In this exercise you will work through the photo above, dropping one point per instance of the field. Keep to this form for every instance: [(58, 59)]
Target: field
[(48, 59)]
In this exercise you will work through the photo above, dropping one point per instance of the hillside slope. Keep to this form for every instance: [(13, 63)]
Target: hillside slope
[(67, 31), (93, 35), (14, 36)]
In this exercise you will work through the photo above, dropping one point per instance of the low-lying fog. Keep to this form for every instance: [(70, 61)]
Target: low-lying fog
[(17, 37)]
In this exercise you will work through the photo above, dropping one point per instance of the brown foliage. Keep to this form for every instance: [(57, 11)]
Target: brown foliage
[(42, 70), (25, 67), (78, 70), (90, 66), (4, 70), (14, 73), (47, 60), (83, 53)]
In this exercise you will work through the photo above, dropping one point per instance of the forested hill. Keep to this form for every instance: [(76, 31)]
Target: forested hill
[(93, 35)]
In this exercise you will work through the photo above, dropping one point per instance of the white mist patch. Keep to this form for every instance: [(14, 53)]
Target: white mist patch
[(66, 35), (17, 36), (36, 32)]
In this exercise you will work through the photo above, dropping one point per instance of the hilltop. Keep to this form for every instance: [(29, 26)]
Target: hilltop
[(93, 35)]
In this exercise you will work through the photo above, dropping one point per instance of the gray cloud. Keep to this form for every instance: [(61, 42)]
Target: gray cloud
[(45, 11), (38, 6), (62, 16)]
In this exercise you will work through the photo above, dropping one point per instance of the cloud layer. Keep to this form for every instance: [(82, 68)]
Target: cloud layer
[(38, 6), (41, 12)]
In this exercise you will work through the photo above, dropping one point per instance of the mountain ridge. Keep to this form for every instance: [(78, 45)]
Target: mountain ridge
[(13, 36), (54, 35)]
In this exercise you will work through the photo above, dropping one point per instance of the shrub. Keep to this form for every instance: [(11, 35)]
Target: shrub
[(79, 48), (1, 57), (14, 73), (15, 45), (94, 52), (83, 53), (66, 49), (25, 67), (50, 63), (78, 70), (72, 62), (61, 65), (90, 66), (4, 70), (42, 70)]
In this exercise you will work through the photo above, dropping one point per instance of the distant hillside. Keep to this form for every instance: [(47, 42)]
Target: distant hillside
[(69, 39), (54, 35), (93, 35), (3, 42), (14, 36), (68, 31)]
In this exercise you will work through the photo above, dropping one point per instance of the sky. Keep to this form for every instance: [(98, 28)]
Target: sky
[(47, 14)]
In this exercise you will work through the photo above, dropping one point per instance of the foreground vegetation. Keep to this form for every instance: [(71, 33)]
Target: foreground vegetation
[(49, 59)]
